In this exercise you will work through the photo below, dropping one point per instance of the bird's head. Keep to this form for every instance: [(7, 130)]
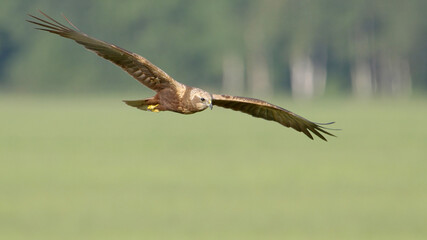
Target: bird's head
[(200, 99)]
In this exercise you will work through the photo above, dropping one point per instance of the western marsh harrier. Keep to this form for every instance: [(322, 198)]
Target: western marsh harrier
[(172, 95)]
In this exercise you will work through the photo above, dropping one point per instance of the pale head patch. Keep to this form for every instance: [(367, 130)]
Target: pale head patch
[(195, 92)]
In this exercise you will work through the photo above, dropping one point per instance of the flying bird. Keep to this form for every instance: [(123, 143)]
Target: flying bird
[(172, 95)]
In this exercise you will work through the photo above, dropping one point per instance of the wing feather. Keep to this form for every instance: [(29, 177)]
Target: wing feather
[(137, 66), (265, 110)]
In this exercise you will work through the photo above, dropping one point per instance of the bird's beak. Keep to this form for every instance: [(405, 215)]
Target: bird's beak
[(210, 104)]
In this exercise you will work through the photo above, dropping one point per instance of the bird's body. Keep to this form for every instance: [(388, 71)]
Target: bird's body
[(172, 95), (185, 100)]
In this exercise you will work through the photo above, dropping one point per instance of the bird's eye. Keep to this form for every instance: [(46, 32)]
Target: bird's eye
[(202, 99)]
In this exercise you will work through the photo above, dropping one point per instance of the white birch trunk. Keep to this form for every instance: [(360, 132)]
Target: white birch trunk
[(308, 78)]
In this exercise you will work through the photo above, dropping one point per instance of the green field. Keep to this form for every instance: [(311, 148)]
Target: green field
[(94, 168)]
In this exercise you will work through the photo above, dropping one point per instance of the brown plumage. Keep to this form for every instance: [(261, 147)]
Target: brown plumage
[(172, 95)]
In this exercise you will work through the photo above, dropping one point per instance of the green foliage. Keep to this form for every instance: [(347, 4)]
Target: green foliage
[(189, 39), (93, 168)]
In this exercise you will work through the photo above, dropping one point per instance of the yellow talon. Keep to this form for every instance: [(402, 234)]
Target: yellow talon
[(152, 108)]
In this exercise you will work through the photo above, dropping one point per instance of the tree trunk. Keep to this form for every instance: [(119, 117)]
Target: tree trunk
[(258, 76), (259, 83), (394, 76), (362, 79), (308, 77), (233, 74)]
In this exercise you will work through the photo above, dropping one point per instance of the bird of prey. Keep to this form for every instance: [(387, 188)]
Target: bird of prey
[(172, 95)]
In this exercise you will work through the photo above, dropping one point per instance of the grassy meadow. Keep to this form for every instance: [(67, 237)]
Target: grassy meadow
[(94, 168)]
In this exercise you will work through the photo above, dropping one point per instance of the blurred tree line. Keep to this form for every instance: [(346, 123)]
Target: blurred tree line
[(304, 47)]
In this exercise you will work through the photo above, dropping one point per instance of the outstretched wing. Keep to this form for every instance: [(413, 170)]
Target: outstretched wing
[(137, 66), (265, 110)]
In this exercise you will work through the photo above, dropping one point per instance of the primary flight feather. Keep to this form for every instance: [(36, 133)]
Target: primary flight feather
[(172, 95)]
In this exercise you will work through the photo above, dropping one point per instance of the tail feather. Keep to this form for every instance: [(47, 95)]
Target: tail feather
[(140, 104)]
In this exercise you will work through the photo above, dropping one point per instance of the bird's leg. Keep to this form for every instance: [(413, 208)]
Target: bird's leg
[(149, 104), (152, 108)]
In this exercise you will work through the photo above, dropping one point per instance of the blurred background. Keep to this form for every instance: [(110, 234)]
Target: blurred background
[(302, 48), (75, 162)]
